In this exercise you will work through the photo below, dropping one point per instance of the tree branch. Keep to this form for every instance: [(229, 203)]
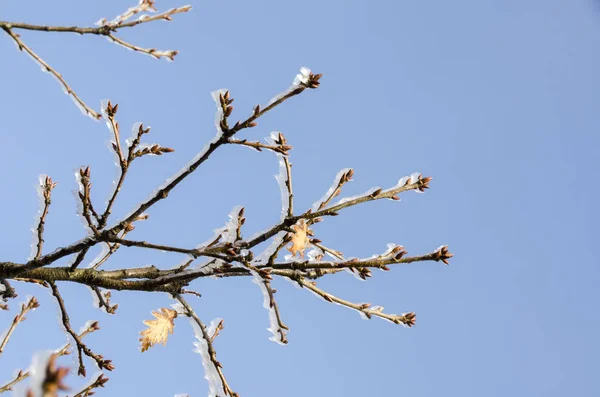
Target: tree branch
[(209, 343), (31, 304), (81, 347)]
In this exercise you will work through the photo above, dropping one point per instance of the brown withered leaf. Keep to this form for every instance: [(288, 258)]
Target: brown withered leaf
[(159, 329), (300, 240)]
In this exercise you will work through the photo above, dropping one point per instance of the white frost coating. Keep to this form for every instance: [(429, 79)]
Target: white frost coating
[(301, 77), (414, 177), (228, 232), (92, 380), (262, 259), (281, 177), (103, 252), (210, 371), (264, 256), (212, 327), (40, 192), (209, 267), (37, 374), (329, 192), (81, 108), (2, 287), (440, 248), (86, 326), (79, 212), (111, 142), (134, 131), (367, 193), (97, 305), (390, 248), (314, 253), (179, 308), (143, 6), (216, 97)]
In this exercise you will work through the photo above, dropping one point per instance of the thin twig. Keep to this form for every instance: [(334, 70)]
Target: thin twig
[(22, 46), (31, 304), (104, 301), (259, 146), (169, 54), (87, 390), (163, 192), (211, 350), (60, 352), (79, 258), (47, 185), (407, 319), (288, 185), (81, 347), (20, 376)]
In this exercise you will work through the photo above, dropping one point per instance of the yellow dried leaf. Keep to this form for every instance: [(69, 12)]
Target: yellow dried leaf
[(159, 329), (300, 241)]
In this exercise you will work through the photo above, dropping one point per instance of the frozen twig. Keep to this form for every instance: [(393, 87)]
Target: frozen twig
[(104, 301), (153, 52), (81, 347), (23, 47), (407, 319), (104, 29), (212, 354), (47, 185), (260, 146), (163, 192)]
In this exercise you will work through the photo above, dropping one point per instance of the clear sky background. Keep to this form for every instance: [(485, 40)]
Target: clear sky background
[(497, 100)]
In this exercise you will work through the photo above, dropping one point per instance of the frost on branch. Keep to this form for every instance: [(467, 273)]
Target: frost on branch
[(211, 374)]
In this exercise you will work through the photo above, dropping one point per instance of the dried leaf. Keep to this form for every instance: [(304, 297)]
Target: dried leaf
[(159, 329), (300, 241)]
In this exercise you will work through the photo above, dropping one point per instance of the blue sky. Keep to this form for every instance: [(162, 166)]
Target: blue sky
[(497, 100)]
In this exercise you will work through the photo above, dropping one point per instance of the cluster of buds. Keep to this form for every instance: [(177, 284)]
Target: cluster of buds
[(138, 136), (225, 102), (155, 150), (442, 254), (282, 146), (111, 110), (423, 182), (104, 364), (84, 174), (308, 79), (363, 272), (47, 187), (109, 309), (99, 382), (32, 304), (408, 319)]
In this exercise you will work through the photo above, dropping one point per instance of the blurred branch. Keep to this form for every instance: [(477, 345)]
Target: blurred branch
[(21, 375)]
